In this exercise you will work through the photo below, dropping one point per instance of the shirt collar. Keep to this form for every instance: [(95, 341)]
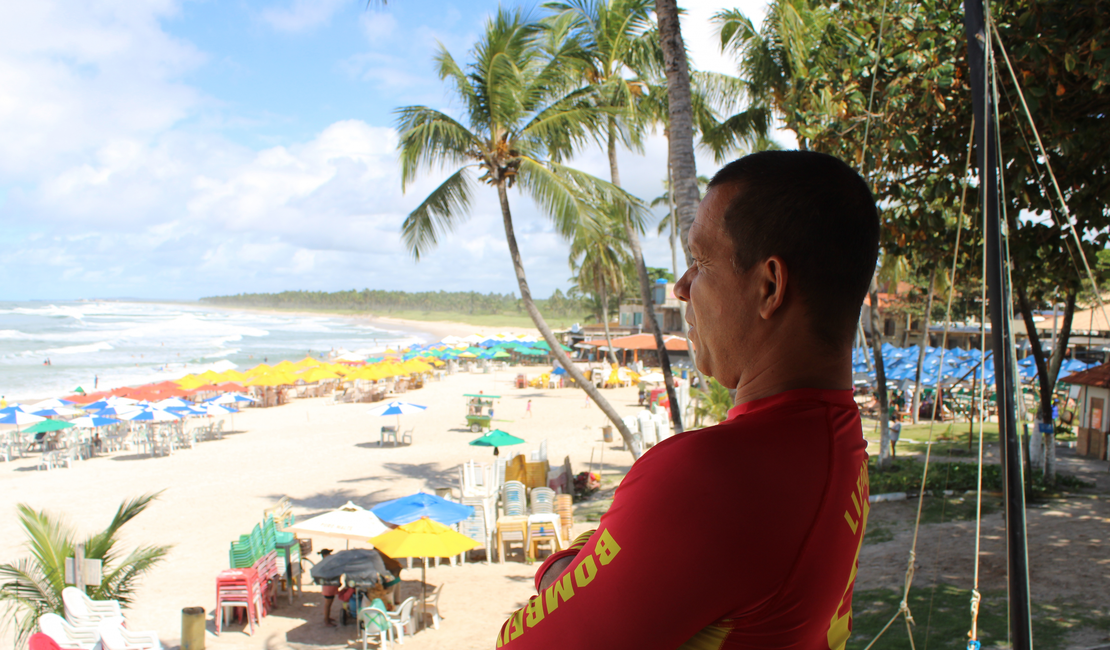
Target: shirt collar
[(842, 397)]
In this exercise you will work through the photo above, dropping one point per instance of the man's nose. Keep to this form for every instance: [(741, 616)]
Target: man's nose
[(682, 287)]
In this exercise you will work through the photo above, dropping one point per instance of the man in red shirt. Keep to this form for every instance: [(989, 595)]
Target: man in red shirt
[(745, 534)]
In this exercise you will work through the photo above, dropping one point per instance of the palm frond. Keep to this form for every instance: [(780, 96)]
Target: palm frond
[(572, 198), (430, 138), (448, 69), (444, 208)]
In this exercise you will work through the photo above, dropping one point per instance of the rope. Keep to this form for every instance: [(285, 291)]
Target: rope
[(1048, 166)]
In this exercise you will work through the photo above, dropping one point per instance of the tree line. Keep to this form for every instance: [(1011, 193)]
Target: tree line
[(381, 301)]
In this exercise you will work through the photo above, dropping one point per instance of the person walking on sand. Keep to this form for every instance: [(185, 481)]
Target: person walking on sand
[(784, 247), (528, 409)]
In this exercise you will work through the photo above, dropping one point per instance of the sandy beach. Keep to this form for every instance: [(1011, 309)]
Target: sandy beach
[(320, 455)]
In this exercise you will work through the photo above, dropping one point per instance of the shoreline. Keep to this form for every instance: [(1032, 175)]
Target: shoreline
[(438, 329)]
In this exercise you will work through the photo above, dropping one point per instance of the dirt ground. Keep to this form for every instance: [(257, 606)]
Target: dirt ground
[(1068, 541)]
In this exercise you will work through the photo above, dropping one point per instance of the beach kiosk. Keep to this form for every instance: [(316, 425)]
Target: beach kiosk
[(479, 410)]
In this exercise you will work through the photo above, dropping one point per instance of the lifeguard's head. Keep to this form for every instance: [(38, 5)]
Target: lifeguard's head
[(784, 247)]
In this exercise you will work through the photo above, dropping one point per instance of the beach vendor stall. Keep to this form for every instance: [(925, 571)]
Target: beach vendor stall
[(479, 410)]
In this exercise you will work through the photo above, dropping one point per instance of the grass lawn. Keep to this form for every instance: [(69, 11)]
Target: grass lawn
[(943, 619)]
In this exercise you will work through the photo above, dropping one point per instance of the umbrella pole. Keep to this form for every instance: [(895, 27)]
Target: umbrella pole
[(423, 592)]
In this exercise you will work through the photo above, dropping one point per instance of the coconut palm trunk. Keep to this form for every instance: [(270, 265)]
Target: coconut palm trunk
[(605, 318), (645, 289), (680, 118), (541, 324), (702, 383)]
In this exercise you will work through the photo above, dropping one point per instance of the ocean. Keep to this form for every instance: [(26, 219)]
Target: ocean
[(97, 345)]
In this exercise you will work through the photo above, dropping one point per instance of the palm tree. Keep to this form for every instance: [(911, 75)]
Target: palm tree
[(775, 62), (598, 256), (680, 117), (523, 118), (33, 586), (619, 48)]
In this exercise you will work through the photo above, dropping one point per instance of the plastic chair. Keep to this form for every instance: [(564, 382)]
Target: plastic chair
[(66, 635), (564, 505), (40, 641), (513, 498), (238, 588), (543, 501), (402, 620), (511, 529), (431, 606), (476, 526), (375, 621), (82, 611), (114, 636), (406, 437)]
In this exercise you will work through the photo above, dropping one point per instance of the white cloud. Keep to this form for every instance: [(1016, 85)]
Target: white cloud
[(302, 15), (78, 74)]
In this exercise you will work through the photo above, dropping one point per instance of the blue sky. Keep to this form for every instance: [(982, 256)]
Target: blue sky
[(176, 149)]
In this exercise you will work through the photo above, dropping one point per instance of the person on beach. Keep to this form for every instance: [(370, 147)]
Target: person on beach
[(775, 497), (528, 409), (329, 592)]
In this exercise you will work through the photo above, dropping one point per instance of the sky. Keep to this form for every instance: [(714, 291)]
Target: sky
[(175, 149)]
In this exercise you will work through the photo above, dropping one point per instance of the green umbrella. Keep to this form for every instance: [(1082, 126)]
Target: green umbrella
[(501, 354), (496, 438), (52, 425)]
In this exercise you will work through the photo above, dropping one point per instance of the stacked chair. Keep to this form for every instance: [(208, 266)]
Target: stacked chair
[(564, 505), (477, 484), (92, 624), (257, 568), (512, 526), (543, 522)]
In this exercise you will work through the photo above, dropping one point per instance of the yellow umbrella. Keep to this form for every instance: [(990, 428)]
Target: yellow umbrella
[(286, 366), (189, 382), (307, 362), (260, 369), (272, 379), (313, 375), (228, 375), (422, 538)]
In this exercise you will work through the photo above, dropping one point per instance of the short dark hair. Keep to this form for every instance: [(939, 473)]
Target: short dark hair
[(816, 213)]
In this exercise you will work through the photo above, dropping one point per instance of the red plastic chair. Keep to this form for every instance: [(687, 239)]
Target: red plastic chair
[(40, 641), (238, 588)]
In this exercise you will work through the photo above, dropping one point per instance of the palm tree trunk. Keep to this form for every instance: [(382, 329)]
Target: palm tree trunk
[(680, 117), (645, 291), (605, 318), (916, 406), (702, 383), (880, 378), (548, 335)]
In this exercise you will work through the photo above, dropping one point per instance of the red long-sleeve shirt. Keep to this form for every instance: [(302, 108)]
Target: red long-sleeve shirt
[(741, 535)]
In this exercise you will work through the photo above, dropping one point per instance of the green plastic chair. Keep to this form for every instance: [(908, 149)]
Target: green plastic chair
[(374, 621)]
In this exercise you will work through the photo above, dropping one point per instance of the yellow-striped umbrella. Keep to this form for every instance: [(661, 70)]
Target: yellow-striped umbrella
[(422, 538)]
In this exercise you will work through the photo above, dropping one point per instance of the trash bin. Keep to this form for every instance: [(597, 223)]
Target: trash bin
[(607, 433), (192, 628)]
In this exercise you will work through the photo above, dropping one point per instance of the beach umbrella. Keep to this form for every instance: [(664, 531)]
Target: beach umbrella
[(423, 538), (19, 417), (652, 377), (93, 421), (358, 564), (349, 522), (496, 438), (147, 415), (52, 412), (413, 507), (48, 425), (228, 398), (398, 409), (54, 403), (317, 373), (174, 402)]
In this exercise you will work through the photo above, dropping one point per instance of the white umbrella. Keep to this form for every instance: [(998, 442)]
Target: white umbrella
[(147, 415), (652, 377), (50, 404), (398, 409), (231, 398), (171, 401), (349, 522), (92, 421)]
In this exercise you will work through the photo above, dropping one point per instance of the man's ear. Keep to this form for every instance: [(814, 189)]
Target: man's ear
[(774, 277)]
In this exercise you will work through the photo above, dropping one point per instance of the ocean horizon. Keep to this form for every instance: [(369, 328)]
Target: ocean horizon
[(50, 348)]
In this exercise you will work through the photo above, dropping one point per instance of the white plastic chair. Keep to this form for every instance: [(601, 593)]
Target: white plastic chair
[(432, 606), (375, 622), (477, 525), (68, 636), (402, 620), (513, 498), (83, 611), (114, 636)]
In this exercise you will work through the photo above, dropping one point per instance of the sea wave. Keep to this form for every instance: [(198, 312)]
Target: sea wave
[(71, 349)]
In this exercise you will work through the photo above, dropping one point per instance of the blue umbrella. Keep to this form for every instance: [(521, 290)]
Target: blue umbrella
[(413, 507), (398, 409)]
